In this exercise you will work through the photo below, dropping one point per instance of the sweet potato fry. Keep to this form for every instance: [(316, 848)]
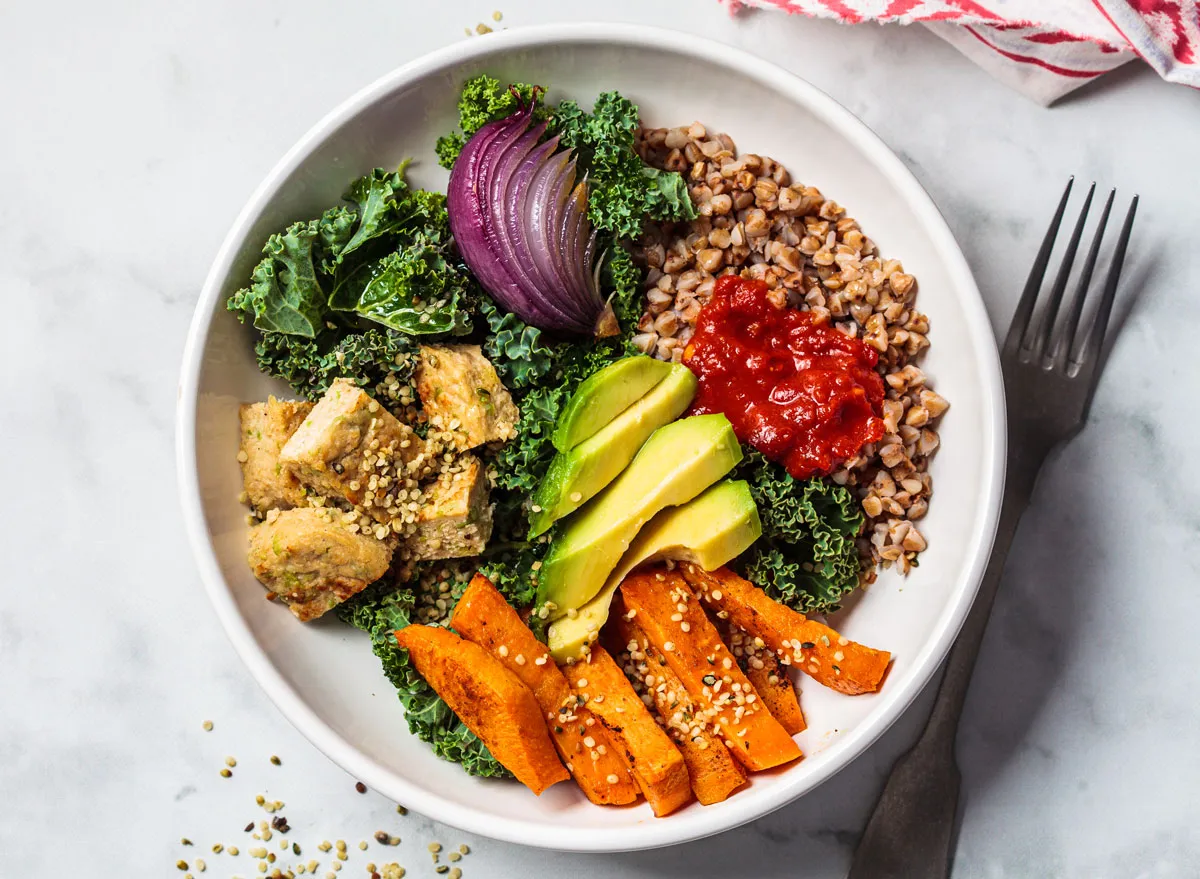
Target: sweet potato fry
[(483, 616), (489, 699), (814, 648), (674, 620), (770, 679), (713, 772), (653, 759)]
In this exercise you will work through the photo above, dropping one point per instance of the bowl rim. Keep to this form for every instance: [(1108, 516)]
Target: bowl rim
[(659, 832)]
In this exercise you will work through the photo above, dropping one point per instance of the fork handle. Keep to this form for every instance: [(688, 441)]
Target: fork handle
[(910, 834)]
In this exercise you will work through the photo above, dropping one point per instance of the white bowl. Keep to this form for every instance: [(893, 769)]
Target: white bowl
[(323, 675)]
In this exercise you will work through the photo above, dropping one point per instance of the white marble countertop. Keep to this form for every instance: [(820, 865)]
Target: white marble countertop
[(133, 132)]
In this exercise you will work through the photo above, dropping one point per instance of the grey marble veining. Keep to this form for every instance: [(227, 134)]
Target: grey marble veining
[(130, 135)]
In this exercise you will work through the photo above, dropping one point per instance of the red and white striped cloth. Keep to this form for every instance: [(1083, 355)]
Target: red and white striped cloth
[(1044, 48)]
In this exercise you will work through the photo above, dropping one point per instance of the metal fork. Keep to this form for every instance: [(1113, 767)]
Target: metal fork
[(1051, 369)]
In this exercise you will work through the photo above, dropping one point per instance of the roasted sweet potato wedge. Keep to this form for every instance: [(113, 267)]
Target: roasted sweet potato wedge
[(490, 700), (712, 771), (483, 616), (814, 648), (653, 759), (662, 603), (771, 680)]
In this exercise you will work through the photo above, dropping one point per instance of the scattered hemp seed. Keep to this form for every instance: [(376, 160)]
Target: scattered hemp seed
[(360, 787), (200, 865), (185, 841), (497, 15), (217, 848), (230, 762), (295, 848), (480, 28), (275, 761), (362, 845), (453, 857), (456, 873), (248, 827), (225, 773), (441, 868), (435, 847), (181, 865), (400, 810), (207, 725), (233, 850), (464, 849)]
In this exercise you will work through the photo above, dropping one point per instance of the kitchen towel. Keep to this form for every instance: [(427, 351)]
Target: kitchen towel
[(1043, 48)]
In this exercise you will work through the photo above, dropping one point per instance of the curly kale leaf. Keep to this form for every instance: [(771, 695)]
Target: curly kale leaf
[(379, 197), (484, 99), (517, 351), (284, 295), (622, 280), (380, 613), (806, 557), (623, 191), (416, 290), (310, 367)]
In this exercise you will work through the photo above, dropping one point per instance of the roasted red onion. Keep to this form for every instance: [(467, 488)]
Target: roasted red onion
[(520, 222)]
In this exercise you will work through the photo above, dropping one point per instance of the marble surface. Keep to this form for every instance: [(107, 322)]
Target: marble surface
[(132, 133)]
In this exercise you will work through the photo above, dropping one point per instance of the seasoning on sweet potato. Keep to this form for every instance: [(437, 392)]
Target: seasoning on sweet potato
[(483, 616), (654, 761), (814, 648), (674, 620), (771, 680), (713, 772), (489, 699)]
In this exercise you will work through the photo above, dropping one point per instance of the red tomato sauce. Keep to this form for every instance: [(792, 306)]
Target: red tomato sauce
[(800, 392)]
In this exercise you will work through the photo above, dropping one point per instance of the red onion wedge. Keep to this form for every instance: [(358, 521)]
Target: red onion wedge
[(520, 221)]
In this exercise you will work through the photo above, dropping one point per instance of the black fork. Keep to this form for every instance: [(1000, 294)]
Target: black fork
[(1051, 369)]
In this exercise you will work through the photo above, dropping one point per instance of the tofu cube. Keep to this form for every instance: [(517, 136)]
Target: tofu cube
[(312, 561), (351, 447), (266, 427), (455, 519), (462, 394)]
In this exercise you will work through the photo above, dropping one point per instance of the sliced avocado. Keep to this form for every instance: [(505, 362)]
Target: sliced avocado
[(710, 530), (678, 462), (576, 476), (602, 397)]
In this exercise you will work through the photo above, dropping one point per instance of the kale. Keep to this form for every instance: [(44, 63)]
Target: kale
[(623, 191), (310, 367), (284, 295), (485, 100), (806, 557), (379, 611), (418, 290), (389, 259), (621, 277)]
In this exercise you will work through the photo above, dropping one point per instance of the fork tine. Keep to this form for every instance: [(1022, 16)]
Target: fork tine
[(1020, 321), (1089, 353), (1062, 348), (1050, 309)]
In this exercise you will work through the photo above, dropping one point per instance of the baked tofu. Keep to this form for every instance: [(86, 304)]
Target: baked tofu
[(351, 447), (310, 560), (462, 394), (455, 520), (265, 428)]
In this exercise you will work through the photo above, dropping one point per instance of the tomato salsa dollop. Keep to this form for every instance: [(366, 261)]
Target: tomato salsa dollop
[(799, 391)]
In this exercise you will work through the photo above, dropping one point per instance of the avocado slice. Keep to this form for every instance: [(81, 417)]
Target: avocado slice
[(578, 475), (602, 397), (678, 462), (710, 530)]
